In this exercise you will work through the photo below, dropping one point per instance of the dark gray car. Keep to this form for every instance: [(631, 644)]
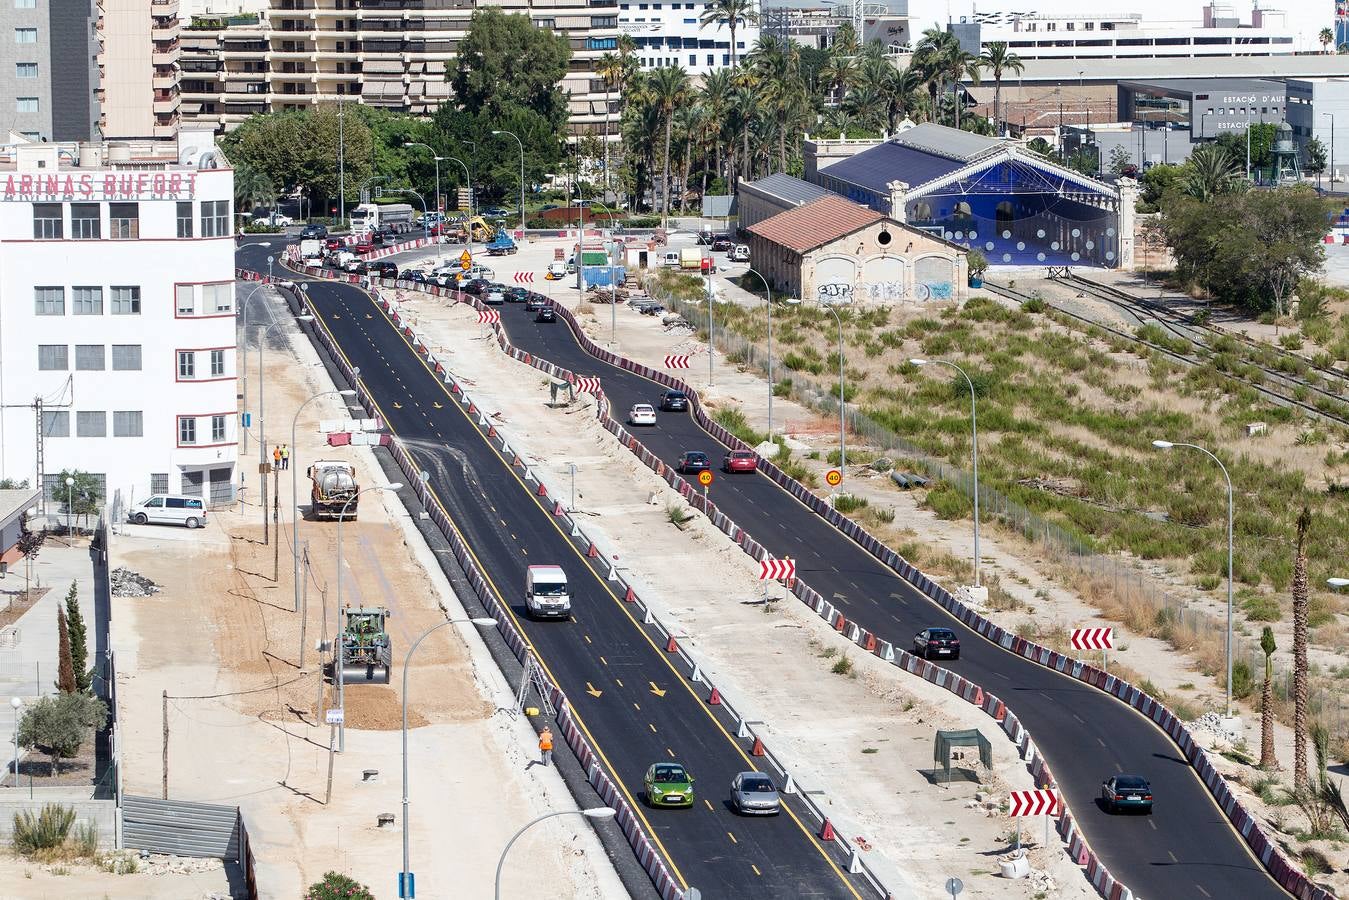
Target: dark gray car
[(754, 794)]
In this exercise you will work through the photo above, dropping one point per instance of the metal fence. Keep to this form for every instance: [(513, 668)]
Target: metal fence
[(1171, 613)]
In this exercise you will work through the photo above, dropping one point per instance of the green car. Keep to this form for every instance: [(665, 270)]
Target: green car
[(668, 784)]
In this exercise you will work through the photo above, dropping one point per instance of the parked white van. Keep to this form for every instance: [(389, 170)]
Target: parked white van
[(169, 509), (546, 593)]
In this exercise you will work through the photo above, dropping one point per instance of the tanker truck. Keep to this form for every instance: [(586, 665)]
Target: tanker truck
[(334, 483)]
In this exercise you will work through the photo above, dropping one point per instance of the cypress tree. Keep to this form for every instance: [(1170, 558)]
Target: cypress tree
[(65, 675), (79, 640)]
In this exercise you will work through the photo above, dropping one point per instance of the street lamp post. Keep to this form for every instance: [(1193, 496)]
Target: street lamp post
[(769, 306), (295, 492), (974, 439), (341, 680), (468, 177), (436, 158), (1338, 583), (406, 875), (522, 180), (16, 704), (599, 812), (1167, 445), (262, 426), (842, 444), (70, 507), (1332, 149), (244, 306)]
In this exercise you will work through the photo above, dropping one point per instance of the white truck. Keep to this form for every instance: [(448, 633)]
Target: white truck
[(370, 217), (546, 593), (311, 251)]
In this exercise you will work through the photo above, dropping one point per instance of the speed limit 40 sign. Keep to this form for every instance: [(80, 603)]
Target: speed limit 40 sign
[(833, 478), (705, 477)]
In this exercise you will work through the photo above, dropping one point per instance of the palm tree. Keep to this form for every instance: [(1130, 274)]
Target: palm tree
[(1268, 761), (669, 88), (837, 75), (929, 62), (252, 186), (742, 105), (1326, 37), (999, 60), (960, 64), (716, 93), (1300, 610), (610, 68), (729, 13), (866, 105), (1210, 171), (845, 41)]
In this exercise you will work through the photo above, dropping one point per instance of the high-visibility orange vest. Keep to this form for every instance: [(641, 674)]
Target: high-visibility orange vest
[(546, 740), (276, 455)]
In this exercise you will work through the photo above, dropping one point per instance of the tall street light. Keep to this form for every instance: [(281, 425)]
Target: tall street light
[(522, 180), (769, 306), (70, 507), (842, 444), (974, 439), (1338, 583), (468, 177), (262, 428), (599, 812), (244, 308), (1167, 445), (437, 158), (16, 704), (1331, 116), (341, 646), (295, 492), (405, 877)]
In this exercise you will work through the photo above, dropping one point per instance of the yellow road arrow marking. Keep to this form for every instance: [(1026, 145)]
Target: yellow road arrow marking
[(590, 689), (397, 405), (655, 690), (437, 405)]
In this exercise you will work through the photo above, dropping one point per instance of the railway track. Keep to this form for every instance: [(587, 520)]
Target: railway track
[(1270, 384)]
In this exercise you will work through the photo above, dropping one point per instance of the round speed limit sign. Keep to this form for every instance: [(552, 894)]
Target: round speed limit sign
[(705, 477), (833, 478)]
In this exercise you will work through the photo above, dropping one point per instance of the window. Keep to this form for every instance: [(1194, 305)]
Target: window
[(126, 301), (184, 219), (86, 301), (124, 221), (217, 363), (25, 70), (25, 104), (91, 424), (55, 424), (187, 364), (89, 358), (25, 35), (47, 221), (25, 4), (53, 357), (217, 429), (693, 59), (84, 221), (128, 423), (218, 298), (159, 482), (126, 357), (187, 302), (49, 301), (187, 430), (215, 218)]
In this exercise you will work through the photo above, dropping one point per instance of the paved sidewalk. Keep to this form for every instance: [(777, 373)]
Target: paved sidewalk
[(28, 665)]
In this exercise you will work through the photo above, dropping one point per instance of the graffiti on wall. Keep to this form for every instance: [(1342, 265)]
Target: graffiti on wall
[(836, 292)]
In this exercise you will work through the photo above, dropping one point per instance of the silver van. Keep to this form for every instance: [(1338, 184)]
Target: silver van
[(169, 509)]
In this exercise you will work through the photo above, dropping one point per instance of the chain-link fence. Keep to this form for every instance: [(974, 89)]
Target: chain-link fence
[(1170, 616)]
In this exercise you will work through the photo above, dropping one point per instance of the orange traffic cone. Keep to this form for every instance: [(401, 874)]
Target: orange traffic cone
[(827, 831), (714, 699)]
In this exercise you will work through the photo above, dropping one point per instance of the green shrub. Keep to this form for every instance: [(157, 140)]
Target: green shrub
[(335, 886), (1243, 683), (1261, 608), (733, 420), (846, 503), (783, 388), (842, 666), (43, 831), (948, 502)]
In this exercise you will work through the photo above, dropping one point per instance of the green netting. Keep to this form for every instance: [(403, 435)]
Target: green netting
[(948, 740)]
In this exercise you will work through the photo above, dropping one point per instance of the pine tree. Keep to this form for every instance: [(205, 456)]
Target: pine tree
[(1300, 721), (1268, 761), (79, 640), (65, 675)]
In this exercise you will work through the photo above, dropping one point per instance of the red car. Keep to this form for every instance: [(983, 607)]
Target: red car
[(740, 461), (333, 243), (365, 245)]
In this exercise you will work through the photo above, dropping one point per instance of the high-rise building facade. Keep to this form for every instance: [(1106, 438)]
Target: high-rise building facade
[(138, 64), (47, 75), (671, 34), (389, 53)]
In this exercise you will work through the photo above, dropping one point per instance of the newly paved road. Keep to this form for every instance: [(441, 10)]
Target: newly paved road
[(645, 711), (1187, 848)]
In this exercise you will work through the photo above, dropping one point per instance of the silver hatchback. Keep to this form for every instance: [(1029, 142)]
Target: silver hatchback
[(753, 794)]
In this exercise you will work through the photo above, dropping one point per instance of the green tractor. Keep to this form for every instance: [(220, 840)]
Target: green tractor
[(367, 654)]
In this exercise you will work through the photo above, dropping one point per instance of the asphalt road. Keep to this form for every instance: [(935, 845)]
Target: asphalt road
[(645, 711), (1086, 736)]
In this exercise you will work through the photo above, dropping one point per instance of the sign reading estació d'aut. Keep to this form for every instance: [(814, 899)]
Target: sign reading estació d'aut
[(59, 186)]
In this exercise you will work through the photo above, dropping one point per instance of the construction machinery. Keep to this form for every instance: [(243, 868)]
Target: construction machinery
[(333, 487), (476, 228), (367, 654)]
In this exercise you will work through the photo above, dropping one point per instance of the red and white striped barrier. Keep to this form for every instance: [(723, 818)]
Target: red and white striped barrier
[(1034, 803), (677, 362), (524, 277), (1093, 638), (488, 317), (777, 569), (587, 384)]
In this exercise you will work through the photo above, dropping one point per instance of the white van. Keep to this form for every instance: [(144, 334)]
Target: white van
[(170, 509), (546, 594), (670, 259)]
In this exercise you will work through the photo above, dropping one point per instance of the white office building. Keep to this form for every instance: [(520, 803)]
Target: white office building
[(669, 34), (1318, 108), (117, 327)]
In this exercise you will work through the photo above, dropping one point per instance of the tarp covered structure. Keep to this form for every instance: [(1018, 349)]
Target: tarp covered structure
[(948, 740)]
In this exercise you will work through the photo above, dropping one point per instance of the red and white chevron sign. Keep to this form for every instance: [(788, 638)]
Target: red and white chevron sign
[(587, 384), (1093, 639), (488, 317), (524, 277), (1034, 803), (676, 362), (777, 569)]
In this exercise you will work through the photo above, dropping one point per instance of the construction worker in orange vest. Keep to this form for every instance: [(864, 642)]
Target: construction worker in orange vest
[(276, 457), (546, 745)]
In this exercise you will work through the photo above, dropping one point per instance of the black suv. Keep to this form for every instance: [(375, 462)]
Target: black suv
[(312, 232), (545, 314), (674, 401), (477, 286), (385, 268), (721, 242)]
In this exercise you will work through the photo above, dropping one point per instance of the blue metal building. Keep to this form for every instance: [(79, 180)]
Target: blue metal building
[(1016, 206)]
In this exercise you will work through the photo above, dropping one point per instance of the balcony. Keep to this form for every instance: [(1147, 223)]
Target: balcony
[(166, 132), (164, 7), (166, 107), (163, 82)]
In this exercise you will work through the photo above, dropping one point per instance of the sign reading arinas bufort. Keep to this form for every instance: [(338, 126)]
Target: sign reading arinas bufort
[(56, 187)]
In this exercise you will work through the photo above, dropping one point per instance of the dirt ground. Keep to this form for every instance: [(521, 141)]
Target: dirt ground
[(864, 738), (245, 717)]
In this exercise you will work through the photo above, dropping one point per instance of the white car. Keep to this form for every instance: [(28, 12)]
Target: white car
[(169, 509), (557, 271), (642, 414), (740, 253)]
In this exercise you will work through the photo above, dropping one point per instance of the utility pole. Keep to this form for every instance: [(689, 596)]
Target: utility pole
[(341, 165), (164, 786), (276, 521)]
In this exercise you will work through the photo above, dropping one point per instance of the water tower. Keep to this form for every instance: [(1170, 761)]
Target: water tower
[(1285, 154)]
